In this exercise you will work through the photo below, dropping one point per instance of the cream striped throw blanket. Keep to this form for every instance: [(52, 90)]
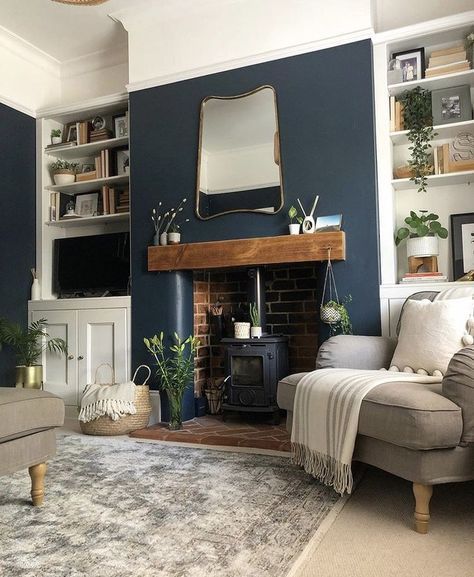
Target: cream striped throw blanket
[(326, 418), (115, 401)]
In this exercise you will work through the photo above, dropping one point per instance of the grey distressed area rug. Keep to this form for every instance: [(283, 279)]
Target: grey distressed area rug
[(122, 508)]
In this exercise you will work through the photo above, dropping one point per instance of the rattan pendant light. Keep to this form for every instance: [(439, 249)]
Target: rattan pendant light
[(81, 2)]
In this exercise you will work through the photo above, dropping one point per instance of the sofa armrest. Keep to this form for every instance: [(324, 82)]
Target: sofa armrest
[(356, 352), (458, 386)]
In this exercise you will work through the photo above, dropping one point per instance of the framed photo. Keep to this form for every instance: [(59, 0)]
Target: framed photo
[(412, 63), (328, 223), (86, 204), (462, 243), (122, 162), (121, 126), (451, 104), (88, 167), (70, 132)]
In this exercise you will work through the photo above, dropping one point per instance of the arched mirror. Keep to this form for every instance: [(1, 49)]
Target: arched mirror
[(239, 166)]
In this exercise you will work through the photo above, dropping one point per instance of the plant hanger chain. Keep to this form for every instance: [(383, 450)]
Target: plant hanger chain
[(329, 282)]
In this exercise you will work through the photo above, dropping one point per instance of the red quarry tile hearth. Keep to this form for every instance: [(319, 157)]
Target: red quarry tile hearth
[(212, 430)]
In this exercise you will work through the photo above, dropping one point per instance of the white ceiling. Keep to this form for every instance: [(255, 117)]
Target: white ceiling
[(64, 31)]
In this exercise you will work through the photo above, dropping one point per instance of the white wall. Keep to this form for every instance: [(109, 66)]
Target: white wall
[(167, 39), (29, 79)]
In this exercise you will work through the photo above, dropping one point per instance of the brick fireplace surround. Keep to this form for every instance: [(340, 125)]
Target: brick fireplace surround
[(290, 293)]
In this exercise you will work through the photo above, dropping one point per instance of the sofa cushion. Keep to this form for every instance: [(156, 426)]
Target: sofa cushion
[(25, 411), (411, 415), (458, 386)]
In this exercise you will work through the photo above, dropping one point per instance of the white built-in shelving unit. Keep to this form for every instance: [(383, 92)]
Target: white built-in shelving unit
[(446, 194), (48, 231)]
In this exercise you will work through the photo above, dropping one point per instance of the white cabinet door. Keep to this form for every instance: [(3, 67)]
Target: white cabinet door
[(102, 338), (59, 371)]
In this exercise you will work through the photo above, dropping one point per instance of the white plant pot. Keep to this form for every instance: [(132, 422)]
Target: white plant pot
[(164, 238), (423, 246), (174, 237), (62, 178), (242, 330), (55, 140), (255, 332), (294, 228)]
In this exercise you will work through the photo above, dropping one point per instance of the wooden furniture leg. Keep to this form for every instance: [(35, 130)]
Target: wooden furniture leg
[(37, 474), (423, 495)]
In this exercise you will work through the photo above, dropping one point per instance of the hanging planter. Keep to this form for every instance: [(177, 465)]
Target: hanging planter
[(333, 312)]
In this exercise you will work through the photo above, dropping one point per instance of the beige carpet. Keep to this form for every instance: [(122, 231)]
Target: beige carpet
[(373, 536)]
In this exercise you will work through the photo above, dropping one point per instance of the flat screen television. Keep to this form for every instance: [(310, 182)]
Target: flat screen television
[(92, 265)]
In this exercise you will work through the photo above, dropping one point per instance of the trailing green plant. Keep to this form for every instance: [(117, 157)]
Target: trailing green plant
[(343, 325), (175, 366), (293, 214), (63, 165), (254, 315), (55, 133), (30, 343), (418, 120), (421, 225)]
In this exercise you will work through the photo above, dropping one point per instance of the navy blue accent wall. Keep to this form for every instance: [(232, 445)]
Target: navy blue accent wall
[(17, 222), (325, 104)]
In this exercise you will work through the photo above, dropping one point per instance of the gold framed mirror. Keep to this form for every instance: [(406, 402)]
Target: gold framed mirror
[(239, 167)]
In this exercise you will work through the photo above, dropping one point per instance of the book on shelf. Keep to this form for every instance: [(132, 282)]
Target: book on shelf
[(105, 200), (423, 277), (447, 69), (446, 51), (450, 58), (57, 205), (61, 145), (98, 135)]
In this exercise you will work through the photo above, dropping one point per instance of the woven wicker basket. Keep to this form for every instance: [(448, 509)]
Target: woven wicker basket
[(106, 426)]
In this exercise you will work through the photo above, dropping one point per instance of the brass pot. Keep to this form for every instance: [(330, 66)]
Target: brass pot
[(29, 377)]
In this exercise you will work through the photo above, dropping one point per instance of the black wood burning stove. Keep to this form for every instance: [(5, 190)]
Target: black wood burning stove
[(254, 367)]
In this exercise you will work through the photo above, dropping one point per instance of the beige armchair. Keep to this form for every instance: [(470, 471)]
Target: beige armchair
[(28, 418), (422, 433)]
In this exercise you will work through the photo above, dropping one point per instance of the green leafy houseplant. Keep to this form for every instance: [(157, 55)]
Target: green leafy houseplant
[(421, 225), (293, 214), (174, 369), (63, 165), (254, 315), (341, 322), (418, 120), (30, 343)]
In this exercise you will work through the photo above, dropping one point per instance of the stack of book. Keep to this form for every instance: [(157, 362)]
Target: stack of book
[(102, 164), (83, 130), (422, 277), (84, 176), (102, 134), (61, 145), (447, 61), (396, 115), (123, 201)]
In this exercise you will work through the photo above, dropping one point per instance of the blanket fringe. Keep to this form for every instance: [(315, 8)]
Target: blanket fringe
[(113, 408), (324, 467)]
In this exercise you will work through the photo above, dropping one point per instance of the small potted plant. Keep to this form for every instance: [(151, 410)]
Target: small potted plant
[(294, 226), (29, 344), (175, 371), (64, 172), (422, 234), (55, 136), (255, 329), (336, 315)]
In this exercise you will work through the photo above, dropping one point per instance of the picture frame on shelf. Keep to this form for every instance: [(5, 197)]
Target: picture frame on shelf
[(451, 104), (88, 167), (329, 223), (122, 161), (412, 63), (70, 132), (121, 125), (462, 243), (86, 204)]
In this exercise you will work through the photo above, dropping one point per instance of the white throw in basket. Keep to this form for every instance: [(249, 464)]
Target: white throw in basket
[(106, 426)]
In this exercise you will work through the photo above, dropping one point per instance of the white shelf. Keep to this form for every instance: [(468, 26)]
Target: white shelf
[(83, 150), (436, 180), (446, 81), (90, 220), (444, 131), (88, 185), (404, 290)]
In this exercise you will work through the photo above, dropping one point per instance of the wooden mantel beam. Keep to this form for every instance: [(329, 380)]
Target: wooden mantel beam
[(248, 252)]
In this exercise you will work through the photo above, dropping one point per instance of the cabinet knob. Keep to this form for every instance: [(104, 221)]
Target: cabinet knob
[(70, 357), (80, 357)]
